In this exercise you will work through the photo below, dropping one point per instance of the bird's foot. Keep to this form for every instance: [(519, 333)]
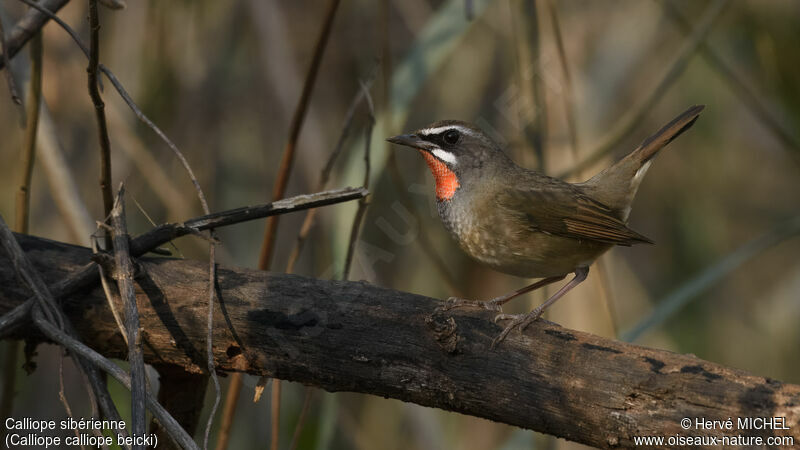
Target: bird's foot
[(519, 321), (455, 302)]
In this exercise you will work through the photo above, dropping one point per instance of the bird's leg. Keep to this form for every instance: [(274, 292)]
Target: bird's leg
[(523, 320), (495, 303)]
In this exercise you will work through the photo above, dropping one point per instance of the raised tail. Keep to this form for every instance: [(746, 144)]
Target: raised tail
[(617, 185)]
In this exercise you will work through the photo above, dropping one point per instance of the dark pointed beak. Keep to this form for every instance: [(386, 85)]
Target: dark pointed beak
[(411, 140)]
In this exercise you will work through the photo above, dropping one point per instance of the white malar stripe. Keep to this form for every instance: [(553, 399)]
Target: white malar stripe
[(438, 130), (444, 155)]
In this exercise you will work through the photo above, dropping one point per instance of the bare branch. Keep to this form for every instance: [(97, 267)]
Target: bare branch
[(27, 27), (210, 364), (124, 276), (100, 114), (294, 133), (77, 347), (87, 275), (43, 300), (351, 336), (128, 100), (325, 174)]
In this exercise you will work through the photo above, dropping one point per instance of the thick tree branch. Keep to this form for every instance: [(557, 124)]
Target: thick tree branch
[(346, 336)]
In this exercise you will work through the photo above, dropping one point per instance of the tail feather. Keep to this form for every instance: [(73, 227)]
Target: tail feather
[(666, 134), (617, 185)]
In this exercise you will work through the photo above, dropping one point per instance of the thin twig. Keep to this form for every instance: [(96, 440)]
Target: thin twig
[(44, 307), (12, 85), (228, 411), (144, 119), (87, 275), (111, 295), (308, 220), (75, 346), (27, 27), (212, 295), (676, 68), (167, 232), (275, 414), (301, 420), (22, 212), (294, 133), (154, 224), (34, 100), (124, 275), (363, 203), (29, 275), (94, 410), (62, 395), (163, 185), (100, 115)]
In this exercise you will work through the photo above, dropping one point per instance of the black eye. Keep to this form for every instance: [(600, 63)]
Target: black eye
[(452, 136)]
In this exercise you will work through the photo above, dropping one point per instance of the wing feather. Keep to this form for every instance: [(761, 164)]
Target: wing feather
[(564, 210)]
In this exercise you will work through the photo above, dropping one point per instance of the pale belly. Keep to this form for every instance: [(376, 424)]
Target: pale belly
[(537, 256), (522, 253)]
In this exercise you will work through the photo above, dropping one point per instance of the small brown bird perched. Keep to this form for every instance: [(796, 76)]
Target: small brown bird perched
[(527, 224)]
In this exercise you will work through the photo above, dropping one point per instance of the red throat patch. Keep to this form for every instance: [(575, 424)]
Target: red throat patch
[(446, 180)]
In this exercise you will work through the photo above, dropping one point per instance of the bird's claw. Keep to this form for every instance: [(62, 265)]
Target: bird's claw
[(519, 321), (500, 317)]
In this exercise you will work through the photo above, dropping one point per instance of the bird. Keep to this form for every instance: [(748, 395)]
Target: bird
[(524, 223)]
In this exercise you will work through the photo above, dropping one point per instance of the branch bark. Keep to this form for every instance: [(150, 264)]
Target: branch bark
[(351, 336)]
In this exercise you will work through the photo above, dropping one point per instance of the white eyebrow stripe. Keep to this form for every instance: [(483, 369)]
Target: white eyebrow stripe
[(437, 130), (444, 155)]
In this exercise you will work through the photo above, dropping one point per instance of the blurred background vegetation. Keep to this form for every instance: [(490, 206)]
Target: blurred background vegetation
[(222, 79)]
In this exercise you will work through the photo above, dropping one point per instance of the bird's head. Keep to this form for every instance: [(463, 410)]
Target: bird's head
[(455, 152)]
